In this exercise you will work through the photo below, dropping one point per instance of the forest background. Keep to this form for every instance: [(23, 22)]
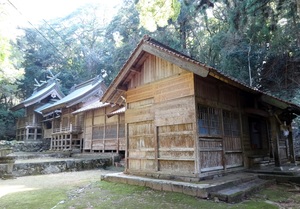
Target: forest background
[(254, 41)]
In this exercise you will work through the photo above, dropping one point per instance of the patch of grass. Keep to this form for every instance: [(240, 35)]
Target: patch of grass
[(116, 195), (102, 194), (44, 198), (252, 204), (120, 189), (276, 195)]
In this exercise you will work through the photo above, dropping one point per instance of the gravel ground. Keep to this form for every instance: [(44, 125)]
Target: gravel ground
[(28, 183)]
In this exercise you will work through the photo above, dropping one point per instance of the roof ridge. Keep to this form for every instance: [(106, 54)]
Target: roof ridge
[(85, 83)]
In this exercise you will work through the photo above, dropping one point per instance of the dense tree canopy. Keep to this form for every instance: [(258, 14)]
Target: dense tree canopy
[(10, 71), (255, 41)]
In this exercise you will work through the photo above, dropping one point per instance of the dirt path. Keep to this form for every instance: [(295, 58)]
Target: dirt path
[(28, 183)]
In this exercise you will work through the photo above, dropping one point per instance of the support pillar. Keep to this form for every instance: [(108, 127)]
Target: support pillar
[(275, 140), (292, 157)]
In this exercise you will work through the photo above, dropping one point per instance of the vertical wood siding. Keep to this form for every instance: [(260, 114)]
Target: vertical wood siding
[(102, 133), (154, 69), (161, 119)]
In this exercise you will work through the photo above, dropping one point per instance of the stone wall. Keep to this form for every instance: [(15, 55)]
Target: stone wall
[(38, 168), (21, 146)]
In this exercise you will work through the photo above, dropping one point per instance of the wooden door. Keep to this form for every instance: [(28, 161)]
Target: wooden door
[(232, 140), (210, 139), (211, 154)]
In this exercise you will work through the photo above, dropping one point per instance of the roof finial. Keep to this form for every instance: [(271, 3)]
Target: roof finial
[(37, 83), (53, 77), (146, 37)]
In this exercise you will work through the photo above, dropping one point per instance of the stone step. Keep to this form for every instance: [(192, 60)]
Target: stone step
[(263, 163), (203, 189), (230, 183), (237, 193)]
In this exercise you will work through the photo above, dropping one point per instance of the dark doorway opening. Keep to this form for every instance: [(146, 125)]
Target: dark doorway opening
[(255, 133)]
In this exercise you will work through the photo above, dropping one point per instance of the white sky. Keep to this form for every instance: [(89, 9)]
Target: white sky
[(37, 10)]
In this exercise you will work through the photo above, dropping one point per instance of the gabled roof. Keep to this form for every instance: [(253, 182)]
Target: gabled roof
[(79, 94), (117, 112), (116, 91), (91, 106), (41, 108), (50, 88)]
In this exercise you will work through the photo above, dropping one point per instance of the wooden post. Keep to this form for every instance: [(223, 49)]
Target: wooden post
[(27, 134), (196, 143), (223, 143), (92, 125), (291, 147), (127, 146), (104, 129), (118, 130), (275, 139), (51, 141), (35, 134), (156, 147)]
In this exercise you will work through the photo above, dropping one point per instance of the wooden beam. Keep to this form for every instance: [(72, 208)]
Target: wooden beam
[(274, 102), (122, 88), (135, 70), (257, 112), (181, 62)]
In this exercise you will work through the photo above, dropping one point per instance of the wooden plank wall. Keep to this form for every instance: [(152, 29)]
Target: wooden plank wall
[(160, 119), (221, 151), (102, 133), (154, 69)]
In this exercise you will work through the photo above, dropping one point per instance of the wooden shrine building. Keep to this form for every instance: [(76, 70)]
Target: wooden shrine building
[(30, 127), (65, 128), (184, 119), (103, 127)]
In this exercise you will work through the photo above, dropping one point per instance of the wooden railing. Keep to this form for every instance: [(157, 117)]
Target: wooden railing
[(22, 122), (68, 129)]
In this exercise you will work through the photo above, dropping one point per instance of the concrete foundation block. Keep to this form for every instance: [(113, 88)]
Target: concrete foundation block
[(177, 188), (190, 190), (156, 186)]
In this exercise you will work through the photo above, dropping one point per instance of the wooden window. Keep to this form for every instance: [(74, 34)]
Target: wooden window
[(122, 130), (209, 121), (98, 132), (111, 131), (65, 122), (231, 124)]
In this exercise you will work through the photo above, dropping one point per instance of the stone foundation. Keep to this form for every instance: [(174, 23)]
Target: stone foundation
[(66, 165), (30, 146)]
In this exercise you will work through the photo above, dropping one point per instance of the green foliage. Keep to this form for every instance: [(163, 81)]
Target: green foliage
[(157, 13), (254, 41), (7, 123)]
